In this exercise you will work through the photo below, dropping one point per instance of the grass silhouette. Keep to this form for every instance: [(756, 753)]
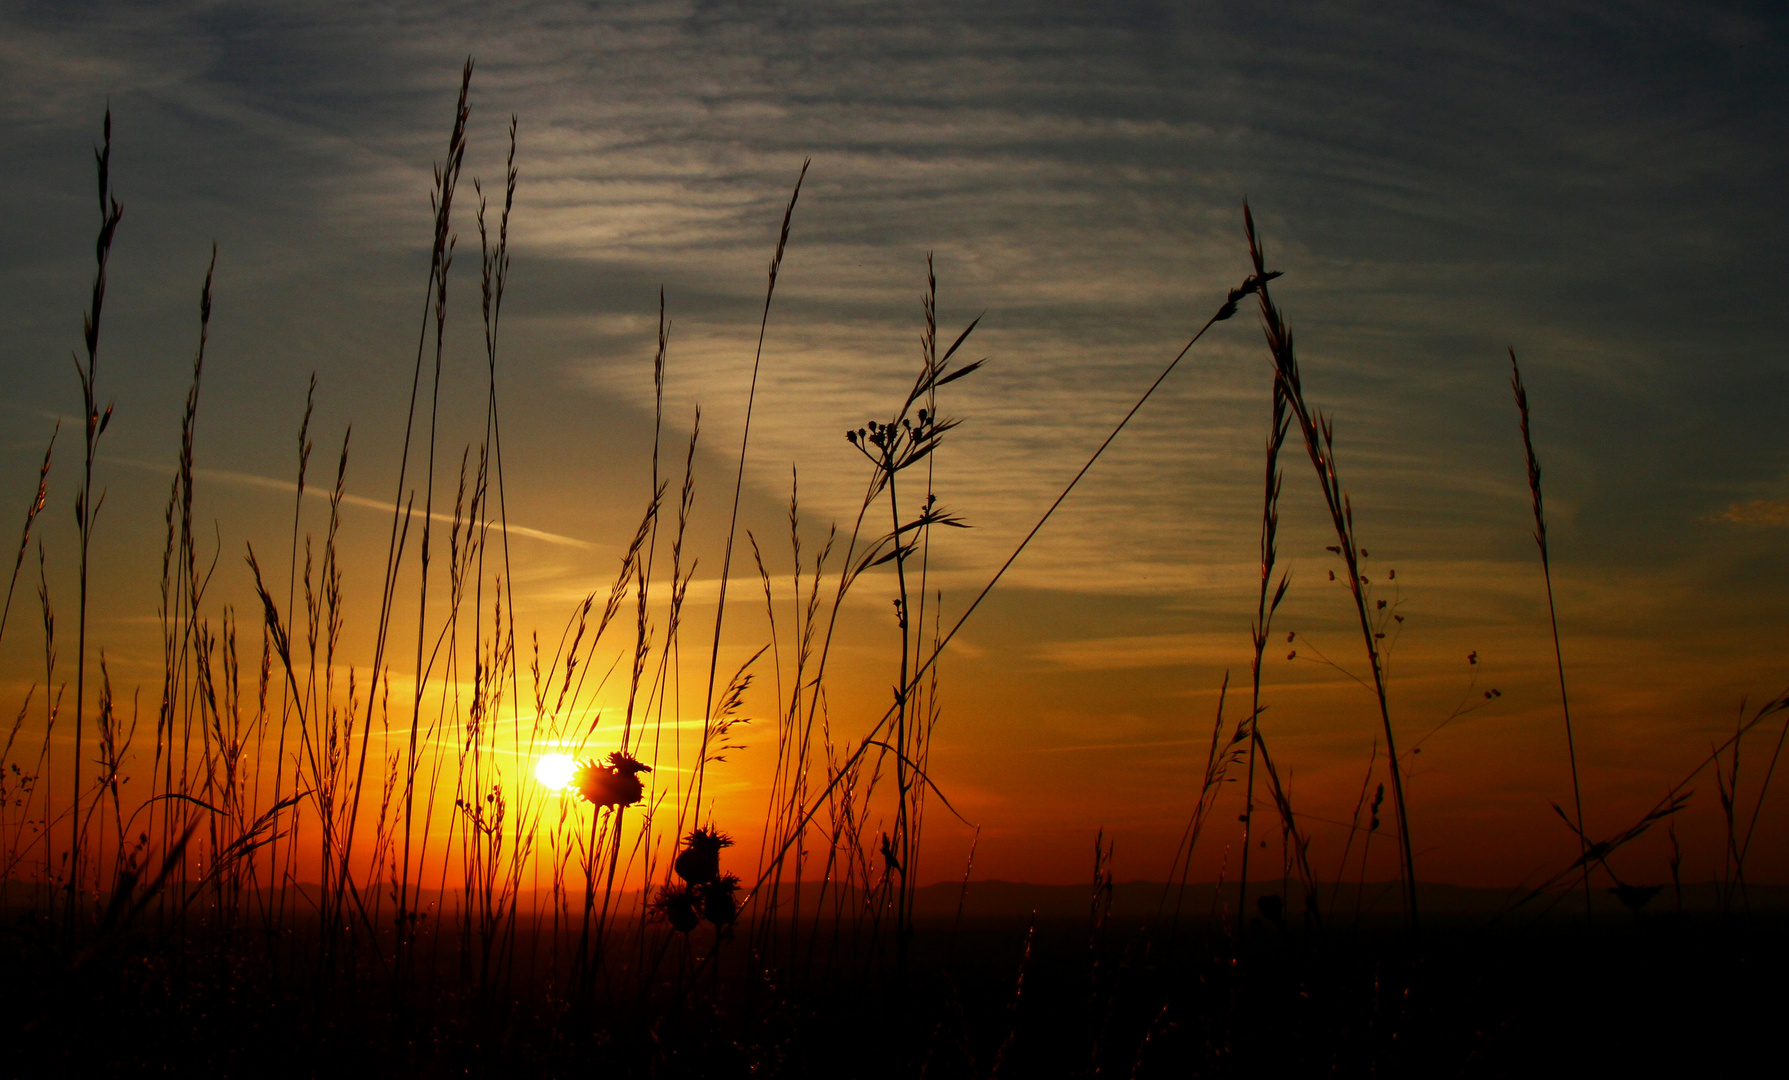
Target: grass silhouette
[(318, 878)]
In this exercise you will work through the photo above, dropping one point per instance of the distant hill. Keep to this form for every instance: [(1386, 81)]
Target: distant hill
[(1133, 900), (1143, 899)]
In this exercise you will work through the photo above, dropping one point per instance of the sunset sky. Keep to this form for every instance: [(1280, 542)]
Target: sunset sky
[(1598, 185)]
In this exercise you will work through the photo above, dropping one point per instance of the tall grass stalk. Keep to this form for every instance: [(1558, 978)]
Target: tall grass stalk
[(845, 769), (34, 508), (21, 790), (1770, 773), (447, 177), (186, 638), (745, 435), (1674, 801), (281, 870), (498, 912), (1219, 757), (86, 510), (1319, 440), (1264, 611), (1354, 829), (1540, 540)]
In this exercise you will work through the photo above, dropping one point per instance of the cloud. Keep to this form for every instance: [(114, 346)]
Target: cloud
[(1436, 183), (250, 480), (1138, 651), (1766, 513)]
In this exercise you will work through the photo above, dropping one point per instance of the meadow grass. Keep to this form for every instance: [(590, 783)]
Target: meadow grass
[(320, 874)]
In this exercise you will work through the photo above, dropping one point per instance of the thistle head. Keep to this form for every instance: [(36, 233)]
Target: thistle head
[(611, 783), (679, 905)]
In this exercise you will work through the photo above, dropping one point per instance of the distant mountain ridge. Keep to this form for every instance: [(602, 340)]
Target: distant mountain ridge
[(1132, 900)]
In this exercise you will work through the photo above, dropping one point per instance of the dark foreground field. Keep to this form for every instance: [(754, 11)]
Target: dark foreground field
[(986, 995)]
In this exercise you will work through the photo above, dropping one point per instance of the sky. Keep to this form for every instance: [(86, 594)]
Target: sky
[(1597, 186)]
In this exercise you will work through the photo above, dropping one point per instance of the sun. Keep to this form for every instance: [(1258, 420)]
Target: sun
[(555, 770)]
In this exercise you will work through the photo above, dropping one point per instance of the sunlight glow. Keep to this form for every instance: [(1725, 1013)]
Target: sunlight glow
[(555, 770)]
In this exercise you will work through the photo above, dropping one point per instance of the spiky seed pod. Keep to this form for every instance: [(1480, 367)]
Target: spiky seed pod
[(626, 789), (719, 904), (698, 867), (590, 779), (700, 861), (627, 786), (627, 764), (612, 783), (679, 905)]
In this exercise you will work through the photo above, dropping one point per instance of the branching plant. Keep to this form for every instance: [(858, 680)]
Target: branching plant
[(1319, 441)]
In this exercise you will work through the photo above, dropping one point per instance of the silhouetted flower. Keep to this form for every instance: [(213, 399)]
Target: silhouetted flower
[(719, 905), (679, 905), (612, 783), (700, 861)]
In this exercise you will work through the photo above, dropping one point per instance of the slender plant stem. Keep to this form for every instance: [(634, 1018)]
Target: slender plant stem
[(1320, 445), (1540, 540), (745, 435), (1270, 519), (85, 510)]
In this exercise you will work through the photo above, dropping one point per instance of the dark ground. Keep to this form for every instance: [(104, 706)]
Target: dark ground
[(1662, 993)]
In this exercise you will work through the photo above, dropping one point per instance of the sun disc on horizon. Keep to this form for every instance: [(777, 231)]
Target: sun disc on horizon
[(555, 770)]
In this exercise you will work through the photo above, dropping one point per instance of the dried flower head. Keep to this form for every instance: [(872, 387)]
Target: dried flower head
[(700, 861), (719, 904), (615, 782), (679, 905)]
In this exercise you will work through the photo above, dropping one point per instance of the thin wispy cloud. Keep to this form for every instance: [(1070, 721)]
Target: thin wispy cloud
[(1767, 513), (323, 494), (1080, 180)]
